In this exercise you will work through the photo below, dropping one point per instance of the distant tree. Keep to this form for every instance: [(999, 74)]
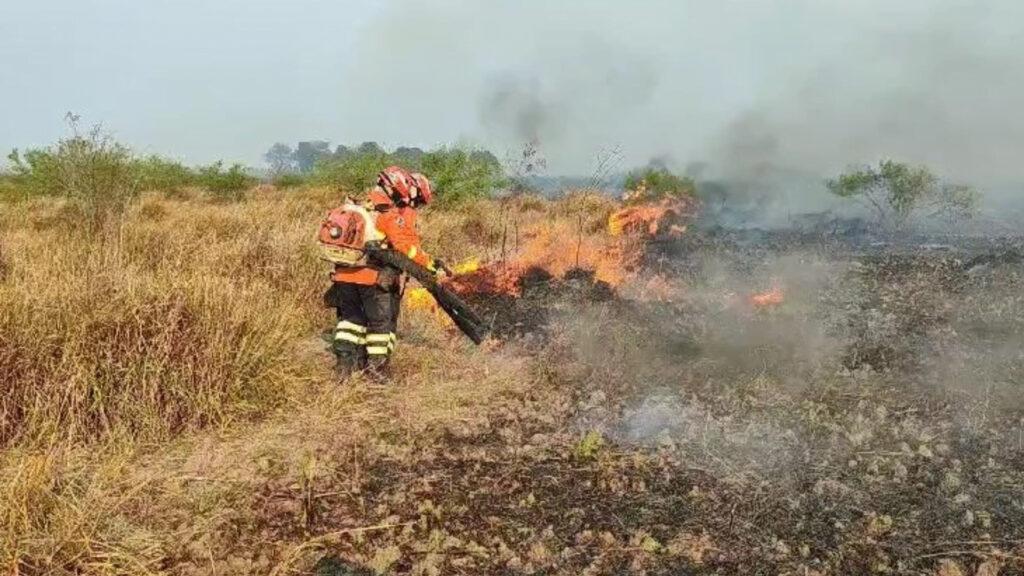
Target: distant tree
[(280, 158), (369, 148), (342, 152), (895, 191), (408, 156), (308, 153)]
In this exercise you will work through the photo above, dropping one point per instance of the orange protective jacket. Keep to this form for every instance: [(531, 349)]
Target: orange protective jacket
[(398, 225)]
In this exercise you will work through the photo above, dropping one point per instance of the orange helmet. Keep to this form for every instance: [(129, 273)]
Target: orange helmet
[(422, 194), (397, 183)]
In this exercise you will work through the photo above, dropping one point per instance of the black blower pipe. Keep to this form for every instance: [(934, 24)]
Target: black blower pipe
[(471, 324)]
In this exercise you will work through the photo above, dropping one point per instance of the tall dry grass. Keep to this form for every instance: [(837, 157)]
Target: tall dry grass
[(176, 316), (183, 313)]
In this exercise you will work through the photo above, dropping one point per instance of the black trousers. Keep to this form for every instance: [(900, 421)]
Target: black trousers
[(367, 320)]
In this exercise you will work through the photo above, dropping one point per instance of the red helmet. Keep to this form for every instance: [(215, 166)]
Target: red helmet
[(397, 183), (422, 194)]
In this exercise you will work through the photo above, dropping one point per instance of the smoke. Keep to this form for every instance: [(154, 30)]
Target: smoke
[(670, 422), (936, 88), (515, 107), (790, 86), (596, 80), (682, 375)]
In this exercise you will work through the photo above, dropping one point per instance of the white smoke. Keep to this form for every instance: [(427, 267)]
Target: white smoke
[(794, 84)]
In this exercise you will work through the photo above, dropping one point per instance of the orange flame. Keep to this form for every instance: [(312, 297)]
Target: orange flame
[(771, 298), (651, 219), (555, 248)]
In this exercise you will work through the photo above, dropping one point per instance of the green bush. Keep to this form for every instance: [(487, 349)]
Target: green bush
[(352, 173), (160, 174), (895, 191), (92, 170), (226, 184), (654, 183), (10, 191), (288, 180), (101, 176), (459, 175)]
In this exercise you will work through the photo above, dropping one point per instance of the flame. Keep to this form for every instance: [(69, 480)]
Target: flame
[(769, 299), (650, 219), (559, 246), (552, 248), (471, 265), (419, 299), (494, 278)]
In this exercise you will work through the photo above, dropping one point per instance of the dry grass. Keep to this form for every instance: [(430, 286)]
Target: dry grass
[(179, 316), (156, 373)]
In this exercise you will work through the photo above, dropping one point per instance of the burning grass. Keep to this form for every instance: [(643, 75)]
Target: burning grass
[(770, 298), (552, 255)]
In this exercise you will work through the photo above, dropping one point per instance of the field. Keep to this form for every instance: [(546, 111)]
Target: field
[(687, 400)]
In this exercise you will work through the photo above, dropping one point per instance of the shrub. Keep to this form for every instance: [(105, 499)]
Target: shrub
[(226, 184), (288, 180), (459, 175), (93, 170), (9, 189), (101, 177), (588, 208), (654, 183), (160, 174), (895, 191), (352, 173)]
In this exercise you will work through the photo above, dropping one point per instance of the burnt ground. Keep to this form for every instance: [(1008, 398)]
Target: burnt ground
[(873, 423)]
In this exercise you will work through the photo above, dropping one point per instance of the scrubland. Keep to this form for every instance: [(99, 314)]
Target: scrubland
[(168, 405)]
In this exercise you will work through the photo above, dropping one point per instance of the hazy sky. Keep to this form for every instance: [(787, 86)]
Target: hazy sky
[(815, 84)]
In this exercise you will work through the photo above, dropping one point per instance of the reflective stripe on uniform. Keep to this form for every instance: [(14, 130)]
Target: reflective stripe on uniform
[(350, 337), (380, 343), (351, 327), (412, 252)]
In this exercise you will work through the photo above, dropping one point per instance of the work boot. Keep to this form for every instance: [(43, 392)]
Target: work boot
[(345, 366), (377, 371)]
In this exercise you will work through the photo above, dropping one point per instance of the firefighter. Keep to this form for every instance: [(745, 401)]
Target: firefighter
[(367, 298)]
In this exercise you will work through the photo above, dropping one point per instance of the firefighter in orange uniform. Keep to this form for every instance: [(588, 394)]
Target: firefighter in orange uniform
[(368, 298)]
